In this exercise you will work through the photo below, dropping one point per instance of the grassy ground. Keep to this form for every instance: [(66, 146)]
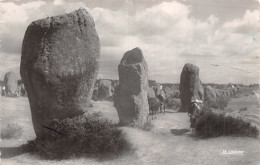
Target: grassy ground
[(166, 143), (247, 107), (16, 110)]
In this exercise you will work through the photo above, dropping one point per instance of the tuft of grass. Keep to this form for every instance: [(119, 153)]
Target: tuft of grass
[(11, 131), (85, 136), (214, 125)]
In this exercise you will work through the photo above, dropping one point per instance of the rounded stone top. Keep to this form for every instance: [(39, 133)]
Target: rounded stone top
[(133, 56), (62, 45), (11, 74), (190, 67), (78, 16)]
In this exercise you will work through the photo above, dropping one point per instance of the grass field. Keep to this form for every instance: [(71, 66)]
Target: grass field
[(168, 142)]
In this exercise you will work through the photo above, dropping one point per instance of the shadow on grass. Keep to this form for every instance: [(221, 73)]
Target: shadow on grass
[(179, 132), (8, 152)]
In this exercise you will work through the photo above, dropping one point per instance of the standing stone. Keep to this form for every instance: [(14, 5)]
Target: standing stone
[(59, 65), (104, 89), (11, 83), (190, 86), (131, 94)]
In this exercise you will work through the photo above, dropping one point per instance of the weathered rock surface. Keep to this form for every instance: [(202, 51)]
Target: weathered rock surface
[(11, 83), (59, 65), (190, 86), (130, 97)]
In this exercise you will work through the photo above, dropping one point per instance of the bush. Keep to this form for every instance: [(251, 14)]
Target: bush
[(213, 125), (11, 131), (172, 103), (90, 136)]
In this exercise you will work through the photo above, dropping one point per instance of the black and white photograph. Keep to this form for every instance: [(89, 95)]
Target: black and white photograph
[(130, 82)]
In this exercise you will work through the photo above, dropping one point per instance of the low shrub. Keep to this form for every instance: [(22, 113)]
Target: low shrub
[(213, 125), (90, 136), (11, 131), (172, 103)]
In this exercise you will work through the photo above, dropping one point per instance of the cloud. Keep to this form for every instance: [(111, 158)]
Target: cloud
[(58, 2), (160, 31), (9, 62), (167, 32), (248, 24), (15, 19)]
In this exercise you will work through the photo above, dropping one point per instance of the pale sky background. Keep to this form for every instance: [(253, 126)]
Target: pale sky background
[(222, 37)]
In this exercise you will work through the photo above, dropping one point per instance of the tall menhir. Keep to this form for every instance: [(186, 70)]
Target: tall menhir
[(130, 97), (190, 86), (59, 65)]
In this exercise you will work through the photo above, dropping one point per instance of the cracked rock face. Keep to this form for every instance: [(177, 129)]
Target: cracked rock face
[(130, 97), (190, 86), (59, 65)]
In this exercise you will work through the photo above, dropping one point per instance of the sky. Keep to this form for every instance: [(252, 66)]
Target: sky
[(221, 37)]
